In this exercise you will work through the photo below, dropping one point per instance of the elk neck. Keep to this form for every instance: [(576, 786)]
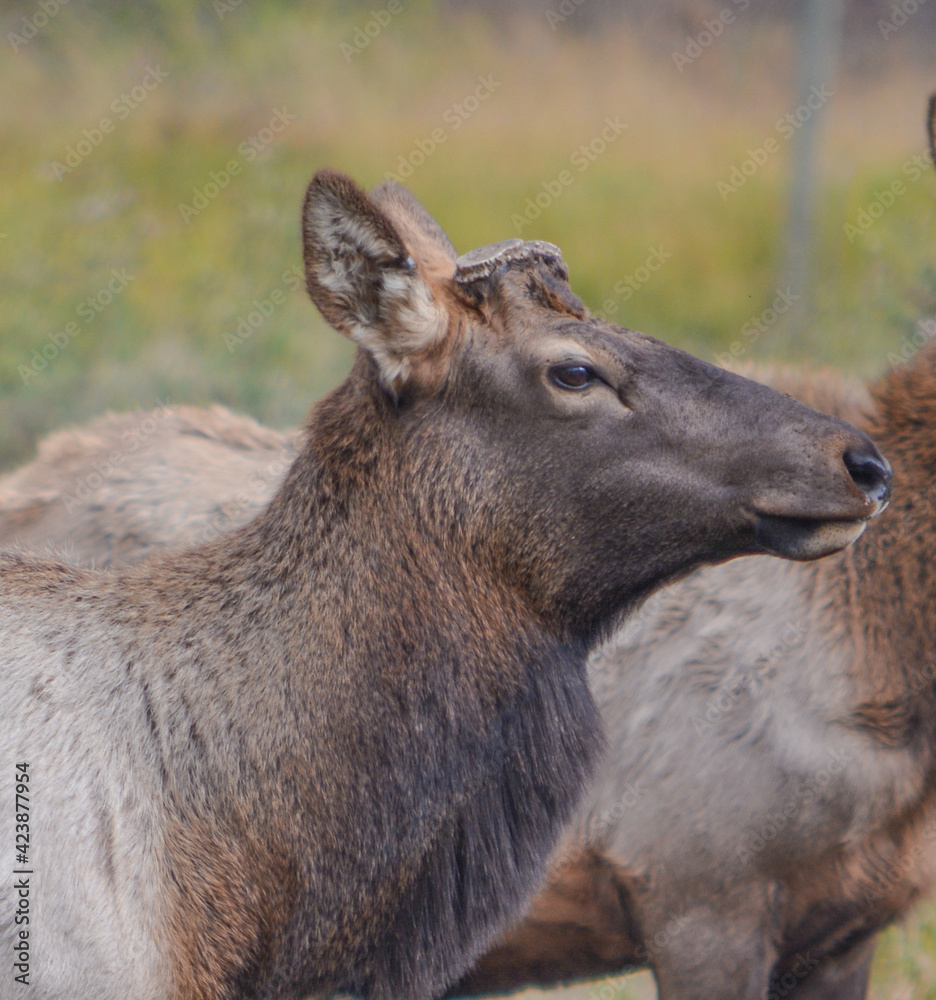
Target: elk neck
[(887, 580), (457, 768)]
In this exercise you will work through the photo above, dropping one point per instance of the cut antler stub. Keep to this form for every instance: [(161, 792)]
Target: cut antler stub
[(483, 262)]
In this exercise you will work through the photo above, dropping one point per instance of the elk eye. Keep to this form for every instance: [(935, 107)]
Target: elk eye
[(573, 376)]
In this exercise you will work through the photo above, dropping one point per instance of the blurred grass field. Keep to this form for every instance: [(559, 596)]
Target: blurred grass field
[(190, 276)]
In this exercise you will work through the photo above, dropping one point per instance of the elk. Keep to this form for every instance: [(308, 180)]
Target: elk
[(130, 484), (332, 748), (768, 803)]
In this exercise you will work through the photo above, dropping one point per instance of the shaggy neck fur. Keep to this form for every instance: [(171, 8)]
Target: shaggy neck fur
[(880, 585), (428, 734), (898, 618)]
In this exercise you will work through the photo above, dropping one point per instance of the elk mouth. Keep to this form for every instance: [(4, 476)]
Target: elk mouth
[(805, 538)]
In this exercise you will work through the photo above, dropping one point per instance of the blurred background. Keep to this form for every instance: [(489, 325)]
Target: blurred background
[(747, 179)]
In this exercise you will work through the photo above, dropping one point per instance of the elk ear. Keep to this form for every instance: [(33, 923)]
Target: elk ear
[(363, 278)]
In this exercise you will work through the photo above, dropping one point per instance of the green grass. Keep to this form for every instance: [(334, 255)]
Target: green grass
[(655, 186), (905, 963)]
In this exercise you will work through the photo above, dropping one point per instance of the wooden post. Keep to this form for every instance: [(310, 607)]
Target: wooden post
[(820, 34)]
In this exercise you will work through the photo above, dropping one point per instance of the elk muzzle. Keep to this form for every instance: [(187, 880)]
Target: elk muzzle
[(811, 537)]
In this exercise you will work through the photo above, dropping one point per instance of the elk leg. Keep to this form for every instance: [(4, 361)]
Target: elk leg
[(579, 926), (843, 976), (718, 950)]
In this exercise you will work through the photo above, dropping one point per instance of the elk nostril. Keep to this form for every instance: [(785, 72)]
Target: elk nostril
[(870, 472)]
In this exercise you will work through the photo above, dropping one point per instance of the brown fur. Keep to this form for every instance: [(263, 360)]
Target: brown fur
[(579, 926), (820, 906), (230, 901), (129, 484), (348, 731), (798, 920)]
